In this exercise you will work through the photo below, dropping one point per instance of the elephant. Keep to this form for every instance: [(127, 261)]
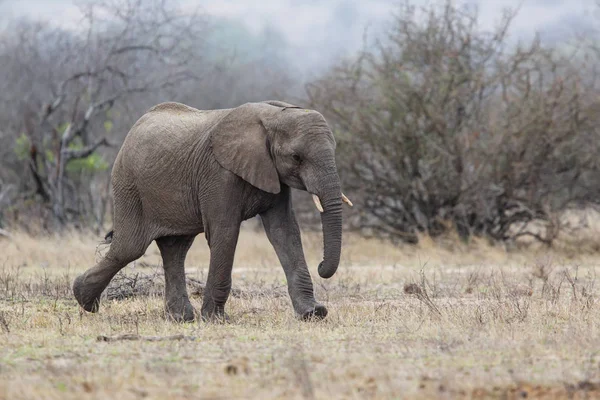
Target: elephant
[(183, 171)]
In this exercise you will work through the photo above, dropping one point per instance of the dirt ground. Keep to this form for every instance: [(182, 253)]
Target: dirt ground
[(432, 321)]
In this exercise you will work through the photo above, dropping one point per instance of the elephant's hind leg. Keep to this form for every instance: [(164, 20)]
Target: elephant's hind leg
[(129, 242), (88, 287), (173, 250)]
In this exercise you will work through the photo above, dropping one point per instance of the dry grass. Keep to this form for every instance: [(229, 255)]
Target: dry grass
[(430, 321)]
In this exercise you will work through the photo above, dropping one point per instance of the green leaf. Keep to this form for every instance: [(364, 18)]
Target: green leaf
[(92, 163), (22, 146), (62, 127), (108, 125)]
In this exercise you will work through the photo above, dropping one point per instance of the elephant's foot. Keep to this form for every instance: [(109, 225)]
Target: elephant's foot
[(314, 312), (180, 310), (211, 313), (216, 318), (88, 296)]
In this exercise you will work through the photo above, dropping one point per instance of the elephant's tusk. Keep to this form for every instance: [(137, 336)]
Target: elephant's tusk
[(346, 200), (317, 202)]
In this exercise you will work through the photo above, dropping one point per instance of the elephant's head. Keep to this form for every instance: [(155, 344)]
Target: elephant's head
[(273, 142)]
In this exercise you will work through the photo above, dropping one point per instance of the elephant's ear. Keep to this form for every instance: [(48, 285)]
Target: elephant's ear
[(240, 145)]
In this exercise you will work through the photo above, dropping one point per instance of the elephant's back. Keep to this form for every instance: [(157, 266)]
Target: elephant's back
[(161, 140), (168, 130), (171, 106)]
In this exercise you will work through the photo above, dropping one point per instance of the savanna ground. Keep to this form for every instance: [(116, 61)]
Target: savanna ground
[(444, 319)]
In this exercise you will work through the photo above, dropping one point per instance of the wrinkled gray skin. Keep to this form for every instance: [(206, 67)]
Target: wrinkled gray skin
[(182, 171)]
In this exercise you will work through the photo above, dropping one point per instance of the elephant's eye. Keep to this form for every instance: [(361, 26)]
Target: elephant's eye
[(297, 158)]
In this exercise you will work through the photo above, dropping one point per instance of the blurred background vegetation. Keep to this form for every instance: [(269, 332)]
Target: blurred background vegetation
[(444, 124)]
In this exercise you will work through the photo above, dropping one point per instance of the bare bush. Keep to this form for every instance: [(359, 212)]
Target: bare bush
[(444, 125), (64, 92)]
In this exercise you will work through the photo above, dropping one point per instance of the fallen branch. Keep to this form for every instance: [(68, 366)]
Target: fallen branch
[(130, 336), (142, 285), (145, 285)]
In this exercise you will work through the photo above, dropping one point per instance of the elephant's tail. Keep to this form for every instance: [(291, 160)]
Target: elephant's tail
[(108, 237)]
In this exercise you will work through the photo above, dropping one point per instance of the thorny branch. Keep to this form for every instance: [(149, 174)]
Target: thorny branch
[(443, 127)]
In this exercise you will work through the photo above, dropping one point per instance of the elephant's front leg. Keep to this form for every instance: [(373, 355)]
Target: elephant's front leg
[(222, 240), (284, 234)]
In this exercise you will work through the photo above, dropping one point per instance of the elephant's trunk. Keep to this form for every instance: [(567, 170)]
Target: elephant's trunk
[(331, 219)]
